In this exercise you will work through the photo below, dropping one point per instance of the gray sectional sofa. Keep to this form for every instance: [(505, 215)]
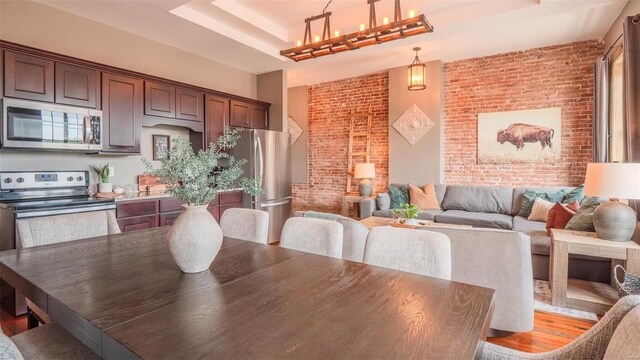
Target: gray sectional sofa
[(497, 207)]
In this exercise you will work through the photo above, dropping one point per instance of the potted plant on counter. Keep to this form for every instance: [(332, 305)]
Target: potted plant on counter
[(103, 172), (195, 237), (408, 214)]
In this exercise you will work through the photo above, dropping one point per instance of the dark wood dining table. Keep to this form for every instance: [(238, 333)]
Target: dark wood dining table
[(124, 297)]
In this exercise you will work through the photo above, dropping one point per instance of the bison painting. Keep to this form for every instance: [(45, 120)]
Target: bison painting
[(519, 134)]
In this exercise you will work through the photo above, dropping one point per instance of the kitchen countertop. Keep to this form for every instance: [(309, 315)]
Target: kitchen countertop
[(143, 195)]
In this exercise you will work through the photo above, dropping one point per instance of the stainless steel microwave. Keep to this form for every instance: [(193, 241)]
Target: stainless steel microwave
[(36, 125)]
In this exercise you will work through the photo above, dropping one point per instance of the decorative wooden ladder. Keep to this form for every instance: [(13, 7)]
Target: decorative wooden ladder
[(357, 138)]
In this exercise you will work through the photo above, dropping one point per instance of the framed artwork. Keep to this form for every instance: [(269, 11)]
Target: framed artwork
[(520, 137), (161, 146)]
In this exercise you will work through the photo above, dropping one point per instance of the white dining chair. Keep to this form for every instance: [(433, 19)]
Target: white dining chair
[(246, 224), (316, 236), (61, 228), (416, 251), (44, 342), (47, 230)]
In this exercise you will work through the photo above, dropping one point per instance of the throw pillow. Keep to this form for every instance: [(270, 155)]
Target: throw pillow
[(572, 195), (583, 219), (424, 198), (383, 201), (399, 196), (560, 214), (540, 210), (530, 196)]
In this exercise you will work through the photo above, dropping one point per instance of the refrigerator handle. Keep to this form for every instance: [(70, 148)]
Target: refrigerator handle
[(275, 204), (260, 157)]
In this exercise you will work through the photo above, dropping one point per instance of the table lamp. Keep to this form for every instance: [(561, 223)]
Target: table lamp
[(613, 220), (364, 172)]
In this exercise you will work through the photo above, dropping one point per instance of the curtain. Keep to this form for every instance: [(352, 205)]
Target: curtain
[(601, 111), (631, 43)]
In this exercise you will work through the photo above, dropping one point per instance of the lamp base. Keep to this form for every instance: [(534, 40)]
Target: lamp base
[(365, 187), (615, 221)]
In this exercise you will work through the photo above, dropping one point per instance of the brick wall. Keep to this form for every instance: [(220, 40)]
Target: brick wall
[(330, 105), (555, 76)]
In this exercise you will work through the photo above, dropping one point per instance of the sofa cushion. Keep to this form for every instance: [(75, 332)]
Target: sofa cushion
[(441, 189), (424, 215), (383, 201), (540, 242), (399, 195), (572, 195), (583, 219), (530, 196), (477, 219), (560, 214), (425, 198), (481, 199), (518, 195)]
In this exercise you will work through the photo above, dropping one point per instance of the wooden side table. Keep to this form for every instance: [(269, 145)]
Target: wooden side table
[(348, 200), (586, 295)]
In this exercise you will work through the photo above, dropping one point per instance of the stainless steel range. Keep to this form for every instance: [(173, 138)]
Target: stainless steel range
[(28, 194)]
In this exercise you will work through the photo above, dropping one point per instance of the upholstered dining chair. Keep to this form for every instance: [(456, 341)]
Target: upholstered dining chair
[(602, 341), (316, 236), (246, 224), (45, 342), (61, 228), (421, 252)]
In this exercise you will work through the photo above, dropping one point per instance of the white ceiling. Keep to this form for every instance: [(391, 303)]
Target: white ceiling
[(249, 34)]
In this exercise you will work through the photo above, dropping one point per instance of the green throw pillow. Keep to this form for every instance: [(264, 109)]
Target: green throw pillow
[(576, 194), (583, 219), (531, 195), (399, 196)]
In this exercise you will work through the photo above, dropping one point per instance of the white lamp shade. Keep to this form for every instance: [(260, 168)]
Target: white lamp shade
[(613, 180), (365, 171)]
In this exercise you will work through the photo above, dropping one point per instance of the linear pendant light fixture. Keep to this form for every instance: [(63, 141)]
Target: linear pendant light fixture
[(334, 43)]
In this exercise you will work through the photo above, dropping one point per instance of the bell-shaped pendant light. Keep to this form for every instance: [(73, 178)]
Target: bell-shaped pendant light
[(417, 74)]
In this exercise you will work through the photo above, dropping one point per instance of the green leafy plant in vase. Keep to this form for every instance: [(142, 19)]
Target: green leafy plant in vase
[(408, 214), (103, 172), (195, 237)]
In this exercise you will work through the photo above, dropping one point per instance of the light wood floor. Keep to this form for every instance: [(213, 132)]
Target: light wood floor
[(551, 331)]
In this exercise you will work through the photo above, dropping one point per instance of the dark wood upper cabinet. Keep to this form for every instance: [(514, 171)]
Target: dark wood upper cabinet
[(78, 86), (28, 77), (240, 114), (259, 117), (122, 104), (189, 105), (217, 115), (159, 100)]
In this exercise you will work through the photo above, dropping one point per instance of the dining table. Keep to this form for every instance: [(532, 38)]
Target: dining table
[(124, 297)]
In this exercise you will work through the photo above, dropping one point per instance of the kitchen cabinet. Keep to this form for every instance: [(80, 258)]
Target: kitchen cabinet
[(249, 115), (138, 223), (159, 100), (169, 218), (189, 105), (28, 77), (217, 117), (122, 107), (137, 215), (215, 211), (76, 85)]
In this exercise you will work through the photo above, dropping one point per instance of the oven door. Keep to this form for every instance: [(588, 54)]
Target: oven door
[(64, 210), (33, 125)]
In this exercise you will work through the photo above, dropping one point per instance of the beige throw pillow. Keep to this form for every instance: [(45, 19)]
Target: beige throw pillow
[(424, 198), (540, 210)]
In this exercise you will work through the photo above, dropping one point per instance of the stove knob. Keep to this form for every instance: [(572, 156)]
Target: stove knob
[(20, 180), (79, 178), (8, 180), (70, 178)]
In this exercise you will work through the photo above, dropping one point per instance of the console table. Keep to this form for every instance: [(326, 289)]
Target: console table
[(586, 295), (354, 199)]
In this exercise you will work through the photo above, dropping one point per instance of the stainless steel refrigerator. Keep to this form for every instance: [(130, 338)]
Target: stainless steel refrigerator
[(268, 157)]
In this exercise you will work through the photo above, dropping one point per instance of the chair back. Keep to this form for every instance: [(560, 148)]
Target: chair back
[(354, 234), (246, 224), (625, 342), (9, 350), (60, 228), (416, 251), (321, 237)]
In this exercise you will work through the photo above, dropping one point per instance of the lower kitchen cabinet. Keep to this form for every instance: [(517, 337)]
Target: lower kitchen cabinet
[(168, 218), (138, 223)]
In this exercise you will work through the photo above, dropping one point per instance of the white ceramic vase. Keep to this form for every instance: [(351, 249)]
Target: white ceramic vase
[(194, 239), (105, 187), (413, 222)]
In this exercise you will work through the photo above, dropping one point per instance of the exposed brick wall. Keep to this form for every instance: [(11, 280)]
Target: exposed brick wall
[(555, 76), (330, 105)]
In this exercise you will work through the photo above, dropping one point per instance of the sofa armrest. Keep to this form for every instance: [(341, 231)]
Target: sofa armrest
[(367, 207)]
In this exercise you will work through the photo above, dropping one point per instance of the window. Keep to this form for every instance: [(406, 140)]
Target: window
[(616, 115)]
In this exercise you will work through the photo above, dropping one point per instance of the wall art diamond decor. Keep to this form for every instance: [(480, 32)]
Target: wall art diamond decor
[(520, 137), (413, 124), (294, 129)]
